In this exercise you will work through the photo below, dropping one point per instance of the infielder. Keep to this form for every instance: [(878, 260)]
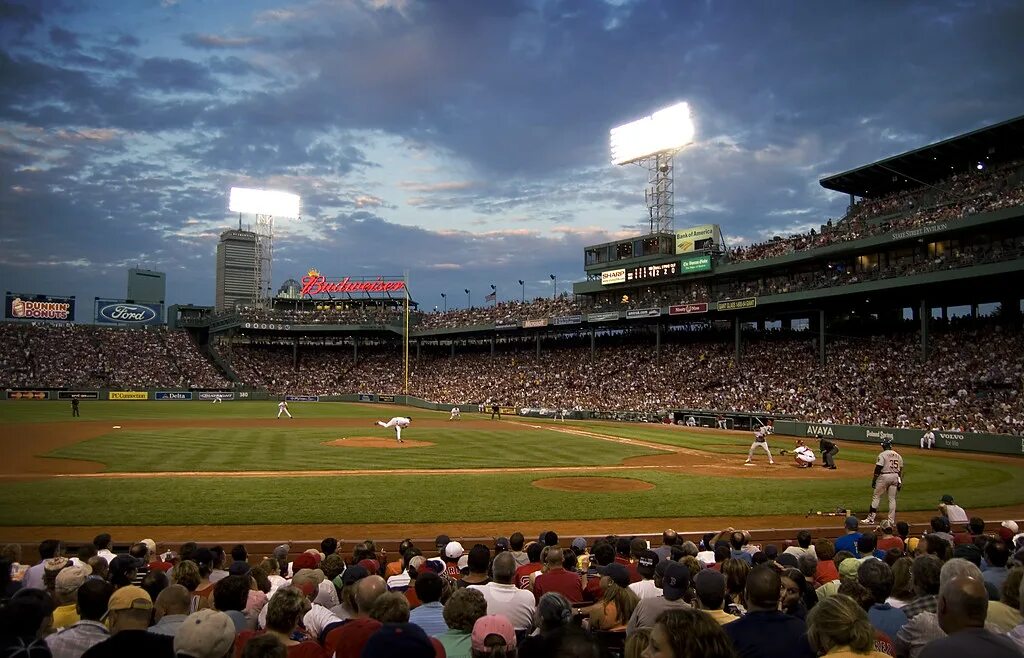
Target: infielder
[(760, 440), (456, 414), (282, 408), (398, 422), (804, 456), (928, 440), (888, 478)]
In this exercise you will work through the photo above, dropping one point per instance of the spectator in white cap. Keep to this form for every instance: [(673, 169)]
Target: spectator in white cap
[(452, 552), (92, 598), (65, 593), (205, 634)]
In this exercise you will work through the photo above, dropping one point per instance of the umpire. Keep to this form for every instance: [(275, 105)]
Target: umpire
[(828, 450)]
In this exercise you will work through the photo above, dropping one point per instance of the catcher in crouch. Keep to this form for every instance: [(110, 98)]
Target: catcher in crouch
[(803, 455)]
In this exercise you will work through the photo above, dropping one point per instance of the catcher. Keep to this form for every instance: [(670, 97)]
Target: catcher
[(803, 455)]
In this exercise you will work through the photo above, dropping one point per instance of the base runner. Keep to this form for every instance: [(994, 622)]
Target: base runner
[(398, 422), (760, 441), (888, 479)]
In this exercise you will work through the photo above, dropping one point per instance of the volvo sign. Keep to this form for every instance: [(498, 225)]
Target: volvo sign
[(113, 311)]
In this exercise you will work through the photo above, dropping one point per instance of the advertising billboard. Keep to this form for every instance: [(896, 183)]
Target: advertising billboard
[(650, 272), (609, 277), (737, 304), (696, 264), (567, 319), (635, 313), (39, 307), (697, 238), (172, 395), (534, 323), (215, 395), (606, 316), (128, 395), (119, 311), (302, 398), (28, 395), (688, 309), (78, 395)]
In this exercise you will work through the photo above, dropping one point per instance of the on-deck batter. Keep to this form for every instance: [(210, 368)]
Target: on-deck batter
[(888, 478)]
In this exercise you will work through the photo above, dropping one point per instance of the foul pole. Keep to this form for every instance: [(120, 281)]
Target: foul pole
[(407, 333)]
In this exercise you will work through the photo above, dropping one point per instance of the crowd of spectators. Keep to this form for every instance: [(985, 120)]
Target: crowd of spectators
[(326, 314), (42, 355), (501, 312), (964, 195), (953, 591), (972, 381)]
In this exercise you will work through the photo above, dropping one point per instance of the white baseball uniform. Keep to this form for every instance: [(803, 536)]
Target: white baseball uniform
[(456, 414), (804, 454), (282, 408), (888, 481), (928, 440), (398, 422), (760, 441), (691, 422)]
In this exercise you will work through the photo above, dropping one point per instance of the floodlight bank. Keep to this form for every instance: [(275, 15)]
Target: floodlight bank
[(665, 130), (264, 202)]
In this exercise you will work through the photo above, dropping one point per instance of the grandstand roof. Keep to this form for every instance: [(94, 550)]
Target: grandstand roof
[(992, 145)]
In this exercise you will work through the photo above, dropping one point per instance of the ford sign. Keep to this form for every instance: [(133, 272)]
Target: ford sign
[(127, 313)]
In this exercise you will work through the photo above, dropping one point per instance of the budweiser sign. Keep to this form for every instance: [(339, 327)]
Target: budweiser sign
[(40, 310), (315, 283)]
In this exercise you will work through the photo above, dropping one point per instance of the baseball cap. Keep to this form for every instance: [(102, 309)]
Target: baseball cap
[(353, 574), (851, 523), (125, 563), (71, 578), (1011, 525), (150, 545), (453, 550), (617, 572), (239, 568), (130, 597), (886, 524), (308, 580), (205, 634), (848, 568), (710, 584), (771, 551), (203, 556), (304, 561), (947, 499), (912, 543), (502, 544), (492, 625), (407, 640), (676, 580), (56, 563), (281, 552), (645, 563), (371, 566), (580, 544), (442, 541)]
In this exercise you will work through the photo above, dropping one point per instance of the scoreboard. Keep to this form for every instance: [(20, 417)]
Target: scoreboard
[(652, 272)]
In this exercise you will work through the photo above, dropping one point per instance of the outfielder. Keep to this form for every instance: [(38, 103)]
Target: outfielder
[(456, 414), (928, 440), (888, 478), (760, 440), (398, 422), (282, 408)]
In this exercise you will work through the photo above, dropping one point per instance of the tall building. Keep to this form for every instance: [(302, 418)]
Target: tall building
[(146, 286), (237, 276)]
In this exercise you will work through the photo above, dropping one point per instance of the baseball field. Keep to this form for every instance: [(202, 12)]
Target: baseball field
[(202, 466)]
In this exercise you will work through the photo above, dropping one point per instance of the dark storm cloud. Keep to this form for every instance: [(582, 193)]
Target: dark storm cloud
[(63, 38), (174, 75), (218, 42)]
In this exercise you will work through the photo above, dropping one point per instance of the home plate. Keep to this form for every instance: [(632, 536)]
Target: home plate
[(750, 464), (117, 427)]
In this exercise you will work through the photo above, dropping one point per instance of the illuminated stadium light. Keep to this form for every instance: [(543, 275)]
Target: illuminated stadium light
[(264, 202), (669, 129)]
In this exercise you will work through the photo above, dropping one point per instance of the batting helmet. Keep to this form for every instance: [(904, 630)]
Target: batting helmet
[(887, 444)]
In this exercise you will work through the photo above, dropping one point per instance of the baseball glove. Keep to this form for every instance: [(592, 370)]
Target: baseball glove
[(783, 451)]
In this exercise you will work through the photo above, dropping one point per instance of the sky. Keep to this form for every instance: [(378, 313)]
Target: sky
[(464, 142)]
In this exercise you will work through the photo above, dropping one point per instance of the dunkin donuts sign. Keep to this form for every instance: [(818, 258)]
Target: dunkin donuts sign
[(39, 307)]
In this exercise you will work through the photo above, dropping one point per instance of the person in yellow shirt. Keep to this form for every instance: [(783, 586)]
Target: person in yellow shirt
[(69, 579)]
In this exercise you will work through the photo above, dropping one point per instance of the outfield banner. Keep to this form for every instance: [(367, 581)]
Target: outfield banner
[(172, 395), (119, 311), (506, 324), (636, 313), (215, 395), (967, 441), (609, 277), (302, 398), (534, 323), (39, 307), (28, 395), (603, 317), (243, 395), (509, 411), (695, 264), (78, 395), (567, 319), (737, 304), (386, 398), (688, 309), (128, 395), (367, 397), (696, 238)]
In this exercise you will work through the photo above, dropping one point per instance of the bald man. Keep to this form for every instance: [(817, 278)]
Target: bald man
[(556, 579), (170, 609), (349, 638), (961, 609)]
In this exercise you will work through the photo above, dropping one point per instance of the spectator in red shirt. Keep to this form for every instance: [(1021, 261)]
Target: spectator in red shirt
[(888, 540), (827, 571), (284, 613), (523, 573), (348, 639), (556, 579)]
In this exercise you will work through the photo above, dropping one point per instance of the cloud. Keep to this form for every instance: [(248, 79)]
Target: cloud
[(219, 42)]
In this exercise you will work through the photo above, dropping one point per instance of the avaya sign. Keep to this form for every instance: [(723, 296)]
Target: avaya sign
[(315, 283), (113, 311)]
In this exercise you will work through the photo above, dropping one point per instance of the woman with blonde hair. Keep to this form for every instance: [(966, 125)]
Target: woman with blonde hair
[(685, 633), (838, 626), (618, 602)]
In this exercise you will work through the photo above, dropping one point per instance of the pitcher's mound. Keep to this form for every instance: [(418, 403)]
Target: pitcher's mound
[(592, 485), (376, 442)]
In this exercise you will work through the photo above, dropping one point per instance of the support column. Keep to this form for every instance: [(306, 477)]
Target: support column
[(492, 346), (295, 354), (451, 354), (923, 313), (760, 326), (657, 339), (945, 311), (355, 351), (419, 343), (538, 346), (736, 328), (821, 337), (593, 342), (974, 311)]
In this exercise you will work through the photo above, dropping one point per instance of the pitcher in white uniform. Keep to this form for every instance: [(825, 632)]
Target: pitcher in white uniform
[(398, 422)]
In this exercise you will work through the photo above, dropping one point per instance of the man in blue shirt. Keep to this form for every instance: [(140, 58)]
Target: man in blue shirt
[(848, 542), (877, 578), (765, 632)]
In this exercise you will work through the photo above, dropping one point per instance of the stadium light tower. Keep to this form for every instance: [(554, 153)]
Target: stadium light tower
[(266, 205), (651, 142)]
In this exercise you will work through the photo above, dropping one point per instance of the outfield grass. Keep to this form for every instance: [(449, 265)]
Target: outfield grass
[(438, 498)]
